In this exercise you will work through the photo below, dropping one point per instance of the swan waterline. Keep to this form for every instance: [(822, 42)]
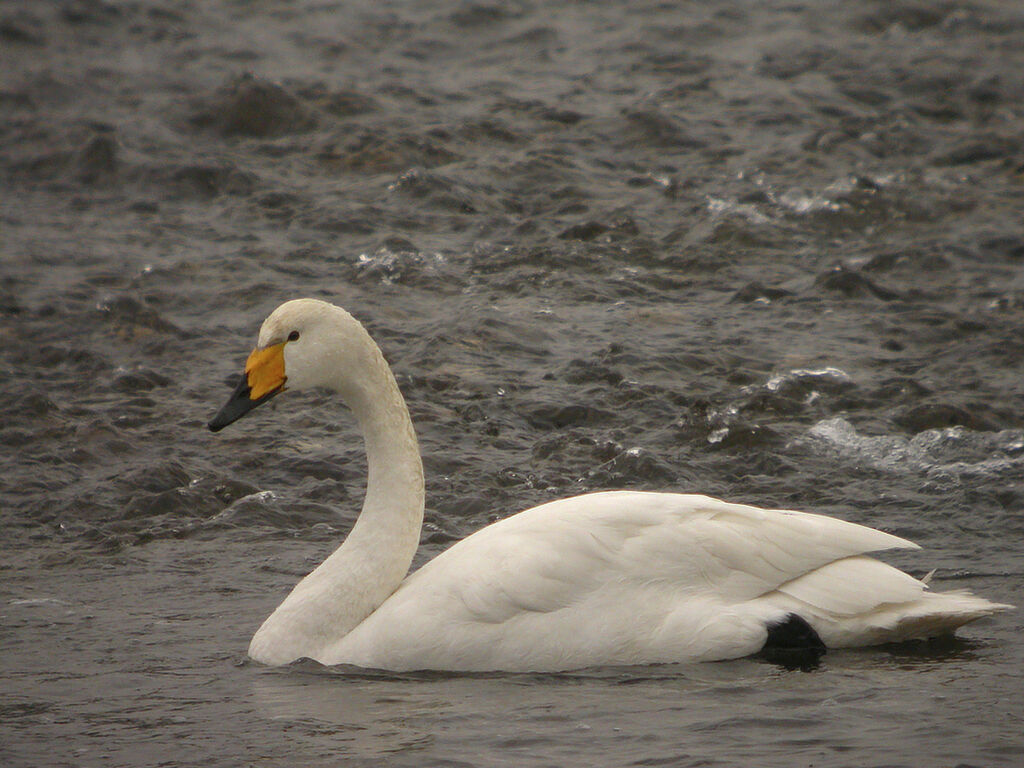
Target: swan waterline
[(609, 578)]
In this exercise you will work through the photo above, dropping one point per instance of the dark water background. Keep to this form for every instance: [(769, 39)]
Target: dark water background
[(768, 251)]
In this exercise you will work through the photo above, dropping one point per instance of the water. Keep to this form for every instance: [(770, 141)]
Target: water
[(772, 254)]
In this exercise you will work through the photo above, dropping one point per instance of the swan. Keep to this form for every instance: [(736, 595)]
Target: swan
[(610, 578)]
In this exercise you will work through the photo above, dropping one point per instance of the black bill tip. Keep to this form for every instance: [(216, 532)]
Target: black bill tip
[(239, 404)]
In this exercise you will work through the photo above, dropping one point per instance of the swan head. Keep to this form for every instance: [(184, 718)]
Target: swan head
[(304, 343)]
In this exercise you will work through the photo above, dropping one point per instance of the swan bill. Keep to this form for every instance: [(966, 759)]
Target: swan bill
[(264, 377)]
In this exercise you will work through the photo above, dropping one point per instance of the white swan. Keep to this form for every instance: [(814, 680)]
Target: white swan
[(600, 579)]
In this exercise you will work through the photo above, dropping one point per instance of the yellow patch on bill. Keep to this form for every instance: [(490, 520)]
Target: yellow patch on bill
[(264, 371)]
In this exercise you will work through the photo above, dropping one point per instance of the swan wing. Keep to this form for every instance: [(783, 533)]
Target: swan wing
[(550, 556)]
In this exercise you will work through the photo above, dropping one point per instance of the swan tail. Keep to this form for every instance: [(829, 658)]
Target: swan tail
[(858, 601), (933, 614)]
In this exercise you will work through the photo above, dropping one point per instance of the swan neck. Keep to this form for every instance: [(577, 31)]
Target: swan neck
[(373, 560), (393, 506)]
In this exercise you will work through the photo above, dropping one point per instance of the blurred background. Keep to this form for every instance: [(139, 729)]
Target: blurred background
[(771, 252)]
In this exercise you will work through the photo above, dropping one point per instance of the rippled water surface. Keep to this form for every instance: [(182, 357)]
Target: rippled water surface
[(771, 252)]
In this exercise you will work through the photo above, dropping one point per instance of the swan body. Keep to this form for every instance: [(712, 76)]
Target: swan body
[(610, 578)]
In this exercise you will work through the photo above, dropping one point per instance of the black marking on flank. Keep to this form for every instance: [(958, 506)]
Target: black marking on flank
[(792, 633), (793, 643)]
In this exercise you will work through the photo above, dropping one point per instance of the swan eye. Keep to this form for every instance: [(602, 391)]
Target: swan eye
[(293, 336)]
